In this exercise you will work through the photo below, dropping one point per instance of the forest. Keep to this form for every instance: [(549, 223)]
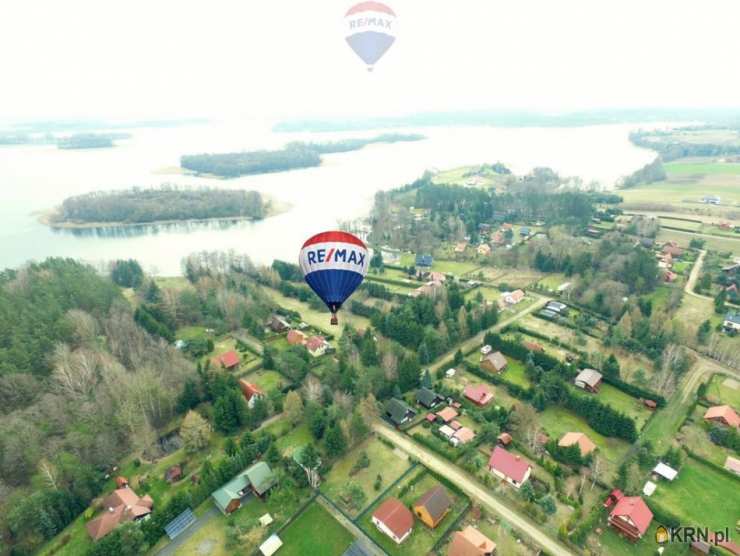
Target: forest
[(294, 155), (166, 203), (671, 149)]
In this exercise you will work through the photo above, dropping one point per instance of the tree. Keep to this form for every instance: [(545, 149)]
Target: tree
[(426, 379), (293, 407), (336, 443), (353, 496), (719, 302), (611, 366), (230, 447), (316, 418), (189, 397), (358, 427), (408, 373), (229, 411), (458, 357), (127, 274), (703, 332), (195, 432)]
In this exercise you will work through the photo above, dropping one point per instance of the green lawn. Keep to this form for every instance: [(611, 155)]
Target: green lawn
[(714, 243), (266, 380), (693, 168), (422, 538), (384, 461), (557, 421), (614, 545), (319, 319), (315, 531), (724, 390), (701, 495), (624, 403), (290, 437), (488, 293)]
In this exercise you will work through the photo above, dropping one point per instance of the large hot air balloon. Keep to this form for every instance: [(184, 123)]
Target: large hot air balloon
[(370, 30), (334, 264)]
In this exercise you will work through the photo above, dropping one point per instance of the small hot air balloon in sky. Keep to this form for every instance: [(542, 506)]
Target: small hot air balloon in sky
[(370, 30), (334, 264)]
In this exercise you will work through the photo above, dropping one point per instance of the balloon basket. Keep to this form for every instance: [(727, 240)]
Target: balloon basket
[(334, 320)]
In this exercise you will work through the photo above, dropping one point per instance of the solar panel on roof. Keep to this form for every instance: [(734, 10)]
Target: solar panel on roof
[(179, 524)]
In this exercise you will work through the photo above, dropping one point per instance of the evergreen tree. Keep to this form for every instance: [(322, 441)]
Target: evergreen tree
[(408, 373), (336, 443), (426, 379)]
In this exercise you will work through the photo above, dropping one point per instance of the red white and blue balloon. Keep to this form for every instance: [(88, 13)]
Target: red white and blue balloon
[(370, 30), (334, 264)]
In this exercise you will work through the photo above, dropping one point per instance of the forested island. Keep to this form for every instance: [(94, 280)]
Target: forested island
[(678, 143), (69, 142), (163, 204), (297, 154)]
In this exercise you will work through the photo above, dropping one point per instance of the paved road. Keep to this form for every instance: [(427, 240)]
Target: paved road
[(172, 547), (368, 545), (474, 489), (478, 338)]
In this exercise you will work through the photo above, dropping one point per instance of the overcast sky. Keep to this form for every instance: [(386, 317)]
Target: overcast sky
[(281, 58)]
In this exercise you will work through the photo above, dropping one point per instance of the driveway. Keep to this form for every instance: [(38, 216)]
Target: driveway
[(474, 489)]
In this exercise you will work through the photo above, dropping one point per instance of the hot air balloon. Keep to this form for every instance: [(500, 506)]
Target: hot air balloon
[(370, 30), (334, 264)]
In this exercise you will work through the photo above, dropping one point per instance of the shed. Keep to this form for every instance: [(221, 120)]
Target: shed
[(665, 471), (649, 488), (271, 545)]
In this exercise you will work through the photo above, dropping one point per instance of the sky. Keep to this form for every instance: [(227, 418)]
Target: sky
[(275, 59)]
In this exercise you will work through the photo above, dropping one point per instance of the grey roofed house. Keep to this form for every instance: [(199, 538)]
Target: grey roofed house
[(398, 411), (258, 476), (589, 379), (547, 313), (261, 477), (428, 398), (436, 501), (424, 260), (557, 307), (495, 362)]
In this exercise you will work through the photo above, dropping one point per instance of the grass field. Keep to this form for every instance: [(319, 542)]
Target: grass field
[(697, 488), (724, 390), (290, 437), (266, 380), (701, 168), (624, 403), (614, 545), (318, 319), (383, 460), (514, 371), (422, 538), (716, 243), (458, 268), (557, 421), (315, 531)]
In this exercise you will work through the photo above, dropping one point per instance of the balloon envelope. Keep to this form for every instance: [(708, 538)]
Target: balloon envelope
[(334, 263), (370, 30)]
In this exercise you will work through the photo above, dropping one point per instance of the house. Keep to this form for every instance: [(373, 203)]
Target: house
[(731, 322), (731, 269), (121, 482), (557, 307), (506, 226), (589, 380), (672, 249), (514, 469), (428, 398), (394, 519), (630, 517), (669, 276), (430, 418), (711, 200), (317, 346), (256, 479), (173, 474), (478, 394), (484, 249), (430, 289), (548, 314), (512, 298), (276, 323), (424, 261), (433, 506), (504, 439), (485, 350), (460, 247), (271, 545), (447, 414), (296, 338), (614, 497), (122, 505), (471, 542), (732, 465), (390, 255), (437, 277), (398, 411), (455, 425), (498, 239), (524, 231), (251, 391), (446, 431), (724, 415), (494, 362), (584, 443), (463, 435), (229, 360), (665, 471)]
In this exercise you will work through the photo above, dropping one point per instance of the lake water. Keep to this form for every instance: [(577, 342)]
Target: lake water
[(35, 178)]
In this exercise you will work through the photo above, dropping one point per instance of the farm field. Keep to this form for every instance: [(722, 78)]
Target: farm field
[(384, 461), (697, 488), (318, 319), (556, 421), (716, 243), (315, 531), (422, 538)]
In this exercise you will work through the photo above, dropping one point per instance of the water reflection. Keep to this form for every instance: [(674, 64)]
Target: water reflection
[(136, 230)]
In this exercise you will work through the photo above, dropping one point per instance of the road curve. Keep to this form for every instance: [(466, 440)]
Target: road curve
[(474, 489)]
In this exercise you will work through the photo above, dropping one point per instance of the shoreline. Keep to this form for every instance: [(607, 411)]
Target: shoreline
[(272, 208)]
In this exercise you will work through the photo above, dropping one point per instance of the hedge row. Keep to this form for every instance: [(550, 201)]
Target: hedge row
[(391, 281), (634, 391)]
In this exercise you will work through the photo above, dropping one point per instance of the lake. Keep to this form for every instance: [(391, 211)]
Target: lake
[(36, 178)]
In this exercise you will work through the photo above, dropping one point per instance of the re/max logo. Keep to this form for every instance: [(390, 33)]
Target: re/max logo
[(336, 256), (370, 22)]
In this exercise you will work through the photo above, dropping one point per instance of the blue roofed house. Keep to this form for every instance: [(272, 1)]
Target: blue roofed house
[(524, 231), (424, 261), (257, 479)]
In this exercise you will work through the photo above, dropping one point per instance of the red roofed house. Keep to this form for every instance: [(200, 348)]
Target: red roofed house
[(478, 394), (510, 467), (447, 414), (724, 415), (394, 519), (631, 517), (121, 505), (584, 443), (121, 482), (670, 276), (251, 391), (471, 542), (504, 439), (228, 360), (296, 338), (672, 249), (317, 345)]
